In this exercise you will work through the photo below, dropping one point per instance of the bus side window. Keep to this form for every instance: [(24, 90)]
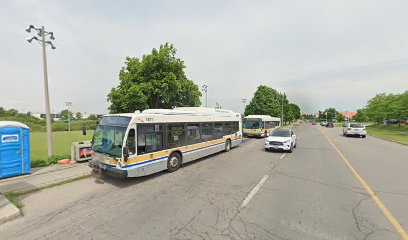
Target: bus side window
[(176, 135), (130, 142), (154, 141), (218, 130), (141, 142), (149, 138), (207, 131), (193, 133), (227, 128), (235, 127)]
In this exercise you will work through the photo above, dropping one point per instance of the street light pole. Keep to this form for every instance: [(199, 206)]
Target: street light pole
[(42, 33), (69, 104), (244, 101), (205, 89)]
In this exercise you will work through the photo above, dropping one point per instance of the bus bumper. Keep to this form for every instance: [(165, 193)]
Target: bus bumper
[(252, 135), (107, 170)]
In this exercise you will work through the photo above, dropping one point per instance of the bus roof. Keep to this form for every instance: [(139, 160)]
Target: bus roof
[(181, 114), (263, 117)]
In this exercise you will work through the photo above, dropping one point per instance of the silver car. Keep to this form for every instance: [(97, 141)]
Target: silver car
[(354, 129)]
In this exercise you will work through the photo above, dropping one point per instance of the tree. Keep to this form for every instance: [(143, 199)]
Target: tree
[(331, 114), (266, 101), (328, 113), (78, 115), (387, 106), (2, 112), (11, 112), (92, 117), (339, 117), (361, 115), (292, 112), (64, 114), (157, 80), (376, 108)]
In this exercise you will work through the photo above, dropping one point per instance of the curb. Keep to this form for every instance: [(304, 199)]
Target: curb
[(8, 211), (39, 187), (38, 174)]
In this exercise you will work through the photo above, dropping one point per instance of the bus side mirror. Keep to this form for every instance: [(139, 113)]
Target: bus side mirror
[(125, 153)]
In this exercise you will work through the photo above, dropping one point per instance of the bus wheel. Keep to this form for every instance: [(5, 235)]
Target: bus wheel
[(228, 145), (174, 162)]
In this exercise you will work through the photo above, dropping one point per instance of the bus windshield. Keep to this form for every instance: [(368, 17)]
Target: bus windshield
[(108, 136), (108, 140), (253, 124)]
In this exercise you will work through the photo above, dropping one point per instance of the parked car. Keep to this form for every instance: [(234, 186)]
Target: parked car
[(281, 139), (314, 123), (355, 129), (323, 123), (391, 121), (330, 125)]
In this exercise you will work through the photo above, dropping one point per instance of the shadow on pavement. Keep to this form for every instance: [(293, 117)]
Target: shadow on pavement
[(124, 183)]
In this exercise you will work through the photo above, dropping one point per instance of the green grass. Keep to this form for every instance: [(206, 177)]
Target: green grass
[(389, 132), (61, 146), (14, 198)]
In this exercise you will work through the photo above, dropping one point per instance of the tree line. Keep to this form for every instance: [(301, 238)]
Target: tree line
[(384, 107), (268, 101), (330, 114), (38, 125)]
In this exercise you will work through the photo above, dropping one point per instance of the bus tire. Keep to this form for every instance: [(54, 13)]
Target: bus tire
[(174, 162), (228, 145)]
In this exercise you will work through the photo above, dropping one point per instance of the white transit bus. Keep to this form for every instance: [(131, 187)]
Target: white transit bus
[(260, 125), (138, 144)]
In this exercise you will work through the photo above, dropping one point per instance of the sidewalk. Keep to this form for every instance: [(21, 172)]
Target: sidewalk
[(43, 176), (40, 177)]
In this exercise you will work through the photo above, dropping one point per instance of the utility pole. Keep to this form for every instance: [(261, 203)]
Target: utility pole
[(69, 104), (42, 33), (282, 108), (244, 101), (205, 89)]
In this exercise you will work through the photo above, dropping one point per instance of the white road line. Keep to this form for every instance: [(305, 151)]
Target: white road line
[(282, 156), (254, 190)]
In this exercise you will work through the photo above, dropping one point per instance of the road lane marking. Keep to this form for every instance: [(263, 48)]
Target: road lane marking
[(369, 190), (254, 190), (282, 156)]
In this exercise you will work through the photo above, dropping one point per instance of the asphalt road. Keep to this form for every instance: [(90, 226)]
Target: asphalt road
[(247, 193)]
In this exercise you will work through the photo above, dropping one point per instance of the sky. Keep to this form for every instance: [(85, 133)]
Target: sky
[(320, 53)]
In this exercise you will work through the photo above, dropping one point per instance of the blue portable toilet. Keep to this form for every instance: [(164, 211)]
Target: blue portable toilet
[(14, 149)]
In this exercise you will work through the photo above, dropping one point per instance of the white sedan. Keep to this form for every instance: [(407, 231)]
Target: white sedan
[(354, 129), (281, 139)]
